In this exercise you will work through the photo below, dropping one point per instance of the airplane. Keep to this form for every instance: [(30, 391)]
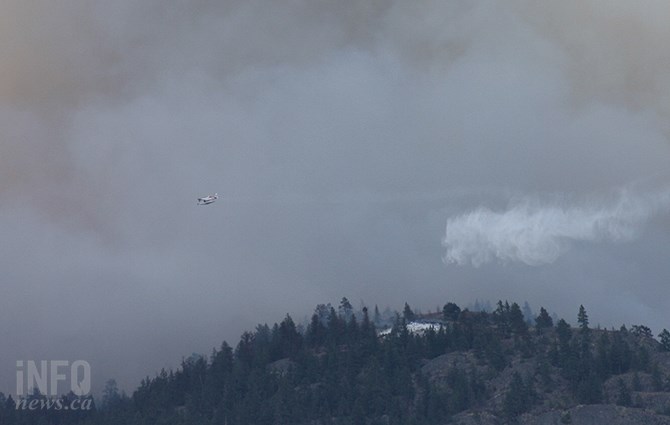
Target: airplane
[(208, 199)]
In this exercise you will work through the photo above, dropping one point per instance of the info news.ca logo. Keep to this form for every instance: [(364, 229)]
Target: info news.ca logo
[(39, 383)]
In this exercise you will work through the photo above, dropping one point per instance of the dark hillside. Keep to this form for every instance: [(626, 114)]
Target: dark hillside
[(456, 367)]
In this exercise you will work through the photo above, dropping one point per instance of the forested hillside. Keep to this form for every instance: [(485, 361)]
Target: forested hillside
[(457, 366)]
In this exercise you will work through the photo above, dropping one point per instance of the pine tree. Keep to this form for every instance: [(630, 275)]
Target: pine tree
[(460, 390), (451, 311), (316, 332), (621, 355), (110, 395), (637, 385), (502, 319), (589, 389), (656, 378), (583, 319), (336, 327), (345, 309), (664, 336), (290, 338), (519, 397), (377, 318), (516, 320), (543, 320), (544, 371), (624, 398), (564, 333), (602, 360), (408, 314), (495, 354), (641, 331)]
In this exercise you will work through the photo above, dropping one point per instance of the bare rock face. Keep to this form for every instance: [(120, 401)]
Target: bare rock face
[(281, 366), (595, 414), (598, 414), (477, 418), (647, 386)]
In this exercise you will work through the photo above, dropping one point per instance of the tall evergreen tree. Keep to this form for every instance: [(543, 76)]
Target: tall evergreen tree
[(110, 394), (408, 314), (377, 318), (519, 397), (501, 317), (583, 319), (624, 397), (641, 331), (345, 309), (516, 320), (664, 336), (543, 320), (451, 311), (316, 332)]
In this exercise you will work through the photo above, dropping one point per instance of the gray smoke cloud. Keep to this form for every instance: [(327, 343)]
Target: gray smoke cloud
[(536, 233), (341, 135)]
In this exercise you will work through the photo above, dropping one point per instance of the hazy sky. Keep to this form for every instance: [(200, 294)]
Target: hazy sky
[(386, 151)]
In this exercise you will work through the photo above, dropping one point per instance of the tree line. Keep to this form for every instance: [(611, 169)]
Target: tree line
[(339, 370)]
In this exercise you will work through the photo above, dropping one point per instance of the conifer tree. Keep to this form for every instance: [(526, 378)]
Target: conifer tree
[(641, 331), (564, 333), (624, 397), (583, 319), (543, 320), (346, 310), (451, 311), (377, 318), (519, 397), (516, 320), (408, 314), (664, 336)]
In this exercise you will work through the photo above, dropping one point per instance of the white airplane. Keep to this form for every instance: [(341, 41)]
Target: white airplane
[(208, 199)]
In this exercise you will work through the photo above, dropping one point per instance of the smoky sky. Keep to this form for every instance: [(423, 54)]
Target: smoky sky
[(342, 137)]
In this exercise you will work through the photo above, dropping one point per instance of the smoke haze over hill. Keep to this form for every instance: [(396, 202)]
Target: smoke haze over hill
[(342, 136)]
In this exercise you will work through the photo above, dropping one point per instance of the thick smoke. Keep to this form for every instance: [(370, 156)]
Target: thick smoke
[(535, 233), (341, 135)]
